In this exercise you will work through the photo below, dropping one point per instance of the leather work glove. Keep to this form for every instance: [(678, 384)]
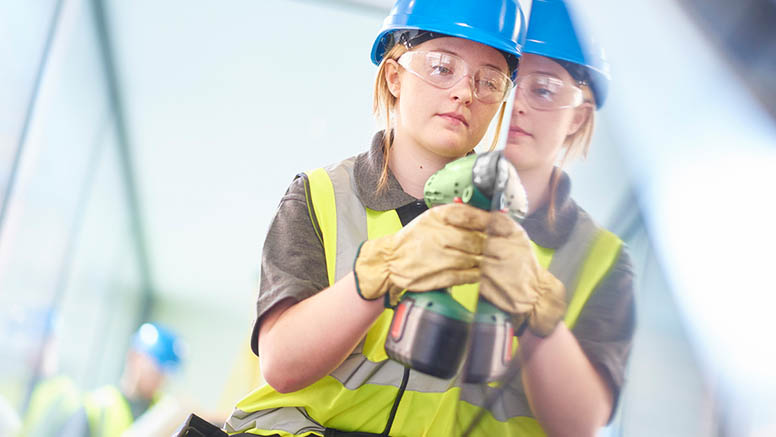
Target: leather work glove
[(513, 280), (440, 248)]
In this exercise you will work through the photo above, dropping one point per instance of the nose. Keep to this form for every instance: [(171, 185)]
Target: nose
[(463, 91), (519, 105)]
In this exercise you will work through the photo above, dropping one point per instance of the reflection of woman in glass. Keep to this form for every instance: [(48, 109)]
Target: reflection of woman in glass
[(572, 378), (445, 71)]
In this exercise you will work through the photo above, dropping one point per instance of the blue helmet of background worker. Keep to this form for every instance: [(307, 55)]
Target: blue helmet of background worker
[(496, 23), (159, 343), (154, 352), (554, 33)]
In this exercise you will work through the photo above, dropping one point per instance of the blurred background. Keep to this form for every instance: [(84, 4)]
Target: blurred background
[(145, 145)]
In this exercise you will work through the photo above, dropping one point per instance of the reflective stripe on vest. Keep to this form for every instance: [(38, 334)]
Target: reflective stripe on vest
[(358, 395), (108, 412)]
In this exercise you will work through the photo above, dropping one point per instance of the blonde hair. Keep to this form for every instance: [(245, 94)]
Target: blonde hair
[(384, 103), (576, 145)]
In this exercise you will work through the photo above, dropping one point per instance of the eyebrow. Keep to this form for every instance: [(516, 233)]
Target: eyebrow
[(456, 54), (547, 73)]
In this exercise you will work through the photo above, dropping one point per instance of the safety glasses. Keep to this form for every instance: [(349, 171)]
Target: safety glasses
[(444, 70), (547, 93)]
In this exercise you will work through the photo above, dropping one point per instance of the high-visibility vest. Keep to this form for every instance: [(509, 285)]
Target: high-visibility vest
[(52, 403), (359, 394), (108, 412)]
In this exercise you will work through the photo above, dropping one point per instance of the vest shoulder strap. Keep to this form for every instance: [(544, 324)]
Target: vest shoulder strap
[(601, 257), (321, 202)]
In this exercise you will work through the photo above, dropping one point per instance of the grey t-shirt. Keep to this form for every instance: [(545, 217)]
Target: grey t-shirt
[(293, 264)]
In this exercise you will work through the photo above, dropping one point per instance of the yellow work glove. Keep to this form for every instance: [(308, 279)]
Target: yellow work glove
[(513, 280), (440, 248)]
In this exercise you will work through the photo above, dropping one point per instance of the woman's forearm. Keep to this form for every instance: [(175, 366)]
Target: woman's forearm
[(566, 393), (299, 343)]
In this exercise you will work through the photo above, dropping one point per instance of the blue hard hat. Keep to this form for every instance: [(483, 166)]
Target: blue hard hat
[(552, 33), (159, 343), (496, 23)]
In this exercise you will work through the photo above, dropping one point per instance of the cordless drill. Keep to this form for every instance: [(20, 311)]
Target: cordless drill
[(430, 331)]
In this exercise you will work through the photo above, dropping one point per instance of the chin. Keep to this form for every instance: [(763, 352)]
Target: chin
[(454, 152), (452, 147), (512, 153)]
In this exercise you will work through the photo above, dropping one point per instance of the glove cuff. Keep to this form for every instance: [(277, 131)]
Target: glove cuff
[(519, 324), (369, 272), (550, 308)]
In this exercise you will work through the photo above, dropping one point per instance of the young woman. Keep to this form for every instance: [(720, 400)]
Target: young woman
[(570, 378), (445, 68)]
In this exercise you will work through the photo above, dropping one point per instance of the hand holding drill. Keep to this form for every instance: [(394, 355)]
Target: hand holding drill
[(454, 244), (440, 248), (513, 280)]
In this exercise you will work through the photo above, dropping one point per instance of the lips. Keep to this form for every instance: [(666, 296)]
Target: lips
[(517, 130), (455, 116)]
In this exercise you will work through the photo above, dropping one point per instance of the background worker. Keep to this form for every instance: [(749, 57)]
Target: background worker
[(109, 411), (55, 397), (573, 376), (445, 71)]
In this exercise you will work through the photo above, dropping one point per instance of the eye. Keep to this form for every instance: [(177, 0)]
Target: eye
[(441, 64), (490, 81), (544, 93), (545, 87), (487, 85), (441, 69)]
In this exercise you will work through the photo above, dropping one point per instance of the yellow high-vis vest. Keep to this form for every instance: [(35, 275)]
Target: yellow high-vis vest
[(359, 394), (108, 412), (52, 403)]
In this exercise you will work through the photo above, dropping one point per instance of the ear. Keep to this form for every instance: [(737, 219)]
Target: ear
[(581, 114), (392, 77)]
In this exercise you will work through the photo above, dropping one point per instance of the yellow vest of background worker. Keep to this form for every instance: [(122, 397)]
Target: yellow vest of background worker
[(108, 412), (52, 403)]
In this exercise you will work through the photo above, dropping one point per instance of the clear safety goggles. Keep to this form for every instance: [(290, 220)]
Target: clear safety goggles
[(546, 93), (444, 70)]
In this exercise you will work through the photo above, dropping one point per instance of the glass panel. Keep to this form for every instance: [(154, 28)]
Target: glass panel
[(66, 242), (24, 28), (101, 301)]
